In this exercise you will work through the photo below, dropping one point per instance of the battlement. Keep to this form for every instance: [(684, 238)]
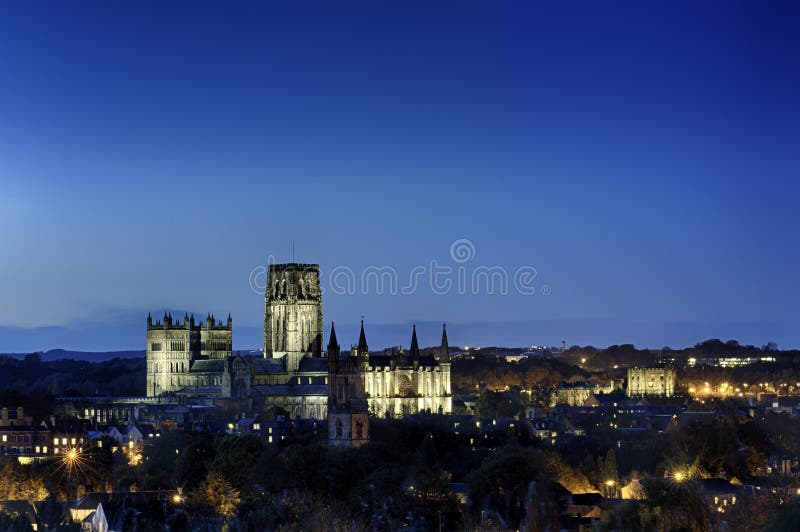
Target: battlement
[(292, 266), (189, 324)]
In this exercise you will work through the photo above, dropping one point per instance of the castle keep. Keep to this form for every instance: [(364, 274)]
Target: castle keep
[(295, 375)]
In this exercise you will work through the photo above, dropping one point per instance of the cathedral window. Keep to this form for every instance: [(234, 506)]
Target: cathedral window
[(155, 346)]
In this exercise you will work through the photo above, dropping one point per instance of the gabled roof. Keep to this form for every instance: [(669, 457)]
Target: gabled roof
[(268, 365), (313, 365), (717, 486), (208, 366)]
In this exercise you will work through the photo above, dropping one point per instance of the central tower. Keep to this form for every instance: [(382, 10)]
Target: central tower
[(293, 313)]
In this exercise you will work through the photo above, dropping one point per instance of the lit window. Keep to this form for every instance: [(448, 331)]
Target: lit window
[(55, 441), (100, 443), (44, 450), (256, 426), (72, 441), (63, 441), (38, 449), (270, 439), (270, 430), (55, 451), (5, 438)]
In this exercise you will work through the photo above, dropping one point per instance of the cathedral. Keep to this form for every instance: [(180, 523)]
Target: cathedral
[(195, 359)]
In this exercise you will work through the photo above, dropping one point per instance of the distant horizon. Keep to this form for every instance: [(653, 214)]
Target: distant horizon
[(121, 337)]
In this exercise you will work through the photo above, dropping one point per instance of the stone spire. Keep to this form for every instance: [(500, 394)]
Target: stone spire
[(414, 350), (333, 353), (333, 343), (362, 352), (362, 340), (444, 349)]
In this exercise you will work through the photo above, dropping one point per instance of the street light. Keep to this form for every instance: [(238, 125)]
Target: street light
[(71, 457), (678, 476), (609, 487)]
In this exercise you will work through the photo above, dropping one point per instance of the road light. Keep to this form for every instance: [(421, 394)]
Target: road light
[(679, 476), (71, 457)]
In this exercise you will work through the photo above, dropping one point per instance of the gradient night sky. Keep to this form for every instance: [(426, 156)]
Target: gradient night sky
[(643, 157)]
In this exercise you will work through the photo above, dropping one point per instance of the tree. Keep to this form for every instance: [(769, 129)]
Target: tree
[(501, 484), (218, 495)]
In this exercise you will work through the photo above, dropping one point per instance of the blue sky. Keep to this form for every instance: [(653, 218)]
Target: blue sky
[(642, 157)]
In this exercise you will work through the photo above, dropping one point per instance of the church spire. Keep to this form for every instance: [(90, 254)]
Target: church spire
[(414, 344), (444, 350), (333, 343), (334, 353), (362, 340)]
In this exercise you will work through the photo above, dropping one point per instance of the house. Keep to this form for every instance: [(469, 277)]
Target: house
[(133, 434), (108, 512), (14, 416), (720, 493), (109, 516), (16, 509), (544, 428), (633, 490)]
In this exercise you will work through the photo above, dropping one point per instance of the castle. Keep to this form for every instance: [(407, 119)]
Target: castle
[(295, 375), (651, 381)]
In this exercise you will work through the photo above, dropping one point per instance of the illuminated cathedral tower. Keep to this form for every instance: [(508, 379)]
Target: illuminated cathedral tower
[(293, 313)]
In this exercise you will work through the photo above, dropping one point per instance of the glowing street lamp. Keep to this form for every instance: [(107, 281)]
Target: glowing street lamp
[(679, 476), (71, 457)]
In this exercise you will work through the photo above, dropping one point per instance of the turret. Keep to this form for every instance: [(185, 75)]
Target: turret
[(334, 352), (149, 320), (362, 350), (444, 349), (230, 321), (414, 353)]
